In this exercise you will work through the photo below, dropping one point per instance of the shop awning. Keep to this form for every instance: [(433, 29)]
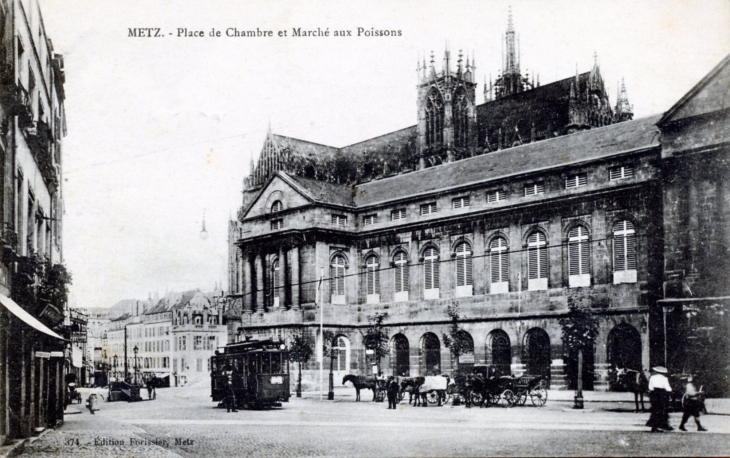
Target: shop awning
[(26, 317)]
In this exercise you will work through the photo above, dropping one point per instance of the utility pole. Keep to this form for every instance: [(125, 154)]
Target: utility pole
[(126, 369)]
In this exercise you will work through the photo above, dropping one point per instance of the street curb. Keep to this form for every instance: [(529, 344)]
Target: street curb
[(19, 445)]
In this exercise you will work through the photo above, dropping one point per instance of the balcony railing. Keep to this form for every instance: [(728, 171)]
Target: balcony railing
[(40, 140), (9, 240)]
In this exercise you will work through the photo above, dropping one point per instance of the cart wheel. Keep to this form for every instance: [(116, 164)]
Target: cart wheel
[(447, 398), (520, 398), (509, 398), (476, 398), (432, 397), (538, 396)]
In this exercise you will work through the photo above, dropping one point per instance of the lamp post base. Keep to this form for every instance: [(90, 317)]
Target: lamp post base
[(578, 401)]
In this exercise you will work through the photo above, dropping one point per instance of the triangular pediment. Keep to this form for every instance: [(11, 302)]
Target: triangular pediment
[(710, 95), (278, 188)]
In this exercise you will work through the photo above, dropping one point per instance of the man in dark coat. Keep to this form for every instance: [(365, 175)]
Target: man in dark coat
[(392, 390), (230, 393)]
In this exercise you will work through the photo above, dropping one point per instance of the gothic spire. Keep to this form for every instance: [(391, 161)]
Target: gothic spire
[(624, 110), (510, 58)]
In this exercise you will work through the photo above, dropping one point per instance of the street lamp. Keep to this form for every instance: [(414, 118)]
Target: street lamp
[(116, 369), (136, 364)]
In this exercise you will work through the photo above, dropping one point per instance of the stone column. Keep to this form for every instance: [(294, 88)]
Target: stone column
[(283, 280), (295, 280), (259, 304), (247, 286)]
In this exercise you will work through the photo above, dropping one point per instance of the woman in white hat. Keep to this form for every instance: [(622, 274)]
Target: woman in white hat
[(659, 390)]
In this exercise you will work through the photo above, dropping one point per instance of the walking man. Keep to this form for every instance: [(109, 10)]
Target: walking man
[(230, 393), (659, 390), (392, 390), (691, 405)]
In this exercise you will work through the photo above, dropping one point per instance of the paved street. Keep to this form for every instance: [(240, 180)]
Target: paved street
[(183, 422)]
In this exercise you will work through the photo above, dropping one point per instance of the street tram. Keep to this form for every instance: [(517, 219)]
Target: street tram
[(258, 370)]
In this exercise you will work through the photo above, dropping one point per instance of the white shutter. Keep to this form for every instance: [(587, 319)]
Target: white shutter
[(536, 256), (500, 260), (431, 269)]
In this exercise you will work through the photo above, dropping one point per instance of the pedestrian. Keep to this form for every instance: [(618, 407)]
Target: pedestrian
[(691, 405), (392, 390), (92, 403), (150, 388), (230, 392), (659, 390)]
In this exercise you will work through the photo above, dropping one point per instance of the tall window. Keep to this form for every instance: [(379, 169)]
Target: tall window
[(337, 279), (461, 120), (372, 279), (624, 252), (537, 260), (463, 270), (434, 119), (578, 257), (339, 353), (499, 261), (431, 272), (276, 206), (401, 276), (276, 281)]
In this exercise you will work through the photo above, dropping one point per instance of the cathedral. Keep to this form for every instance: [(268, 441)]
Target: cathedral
[(541, 198)]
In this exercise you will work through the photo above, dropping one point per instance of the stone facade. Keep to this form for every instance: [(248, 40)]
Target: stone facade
[(514, 234), (33, 357)]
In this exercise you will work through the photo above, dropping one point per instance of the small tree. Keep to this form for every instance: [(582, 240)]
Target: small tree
[(580, 329), (300, 350), (376, 337), (456, 339)]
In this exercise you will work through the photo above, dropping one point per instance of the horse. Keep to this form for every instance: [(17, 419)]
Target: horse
[(412, 385), (360, 382), (635, 382)]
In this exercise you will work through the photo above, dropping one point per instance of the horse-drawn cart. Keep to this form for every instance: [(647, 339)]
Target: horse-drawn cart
[(508, 390)]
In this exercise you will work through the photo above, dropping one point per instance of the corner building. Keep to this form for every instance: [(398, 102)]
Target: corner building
[(538, 198)]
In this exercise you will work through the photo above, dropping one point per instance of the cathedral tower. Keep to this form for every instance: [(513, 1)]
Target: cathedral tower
[(511, 81), (446, 111)]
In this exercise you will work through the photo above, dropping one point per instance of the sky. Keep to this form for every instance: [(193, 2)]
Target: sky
[(161, 130)]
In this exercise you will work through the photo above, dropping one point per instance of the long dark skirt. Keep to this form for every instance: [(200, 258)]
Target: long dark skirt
[(659, 409)]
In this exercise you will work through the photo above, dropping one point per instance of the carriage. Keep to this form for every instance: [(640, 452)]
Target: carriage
[(258, 371), (489, 389)]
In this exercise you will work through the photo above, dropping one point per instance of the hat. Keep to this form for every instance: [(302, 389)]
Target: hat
[(660, 370)]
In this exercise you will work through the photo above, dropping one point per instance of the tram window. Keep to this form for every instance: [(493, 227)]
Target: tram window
[(265, 363), (252, 364), (276, 363)]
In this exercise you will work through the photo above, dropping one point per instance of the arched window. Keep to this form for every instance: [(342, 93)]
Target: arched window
[(276, 206), (372, 279), (337, 279), (461, 119), (401, 276), (339, 354), (463, 270), (275, 282), (500, 265), (578, 257), (624, 252), (537, 261), (431, 273), (434, 119), (430, 354), (400, 356)]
